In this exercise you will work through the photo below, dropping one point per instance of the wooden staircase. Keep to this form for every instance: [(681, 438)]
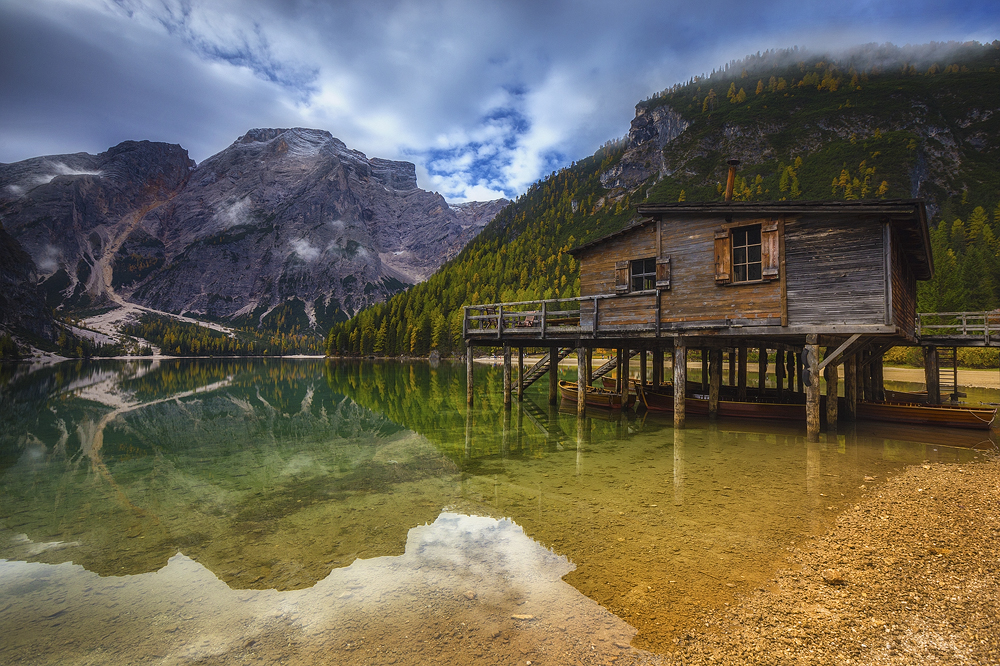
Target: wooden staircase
[(538, 370), (948, 373), (611, 365)]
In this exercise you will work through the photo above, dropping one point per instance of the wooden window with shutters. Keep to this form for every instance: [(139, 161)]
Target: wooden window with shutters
[(747, 253), (723, 257), (769, 250), (621, 277)]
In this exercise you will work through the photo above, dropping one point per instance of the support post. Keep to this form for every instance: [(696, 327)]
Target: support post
[(761, 371), (798, 372), (618, 371), (832, 376), (553, 374), (932, 375), (714, 382), (657, 367), (468, 373), (642, 369), (790, 366), (851, 387), (506, 377), (741, 373), (779, 373), (623, 366), (680, 381), (520, 373), (581, 381), (810, 363), (878, 382), (589, 364), (704, 370), (732, 367)]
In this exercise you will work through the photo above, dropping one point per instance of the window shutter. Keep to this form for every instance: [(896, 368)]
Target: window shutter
[(663, 273), (723, 257), (769, 252), (621, 277)]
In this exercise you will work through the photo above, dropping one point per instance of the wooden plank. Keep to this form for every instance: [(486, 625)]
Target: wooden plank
[(723, 249)]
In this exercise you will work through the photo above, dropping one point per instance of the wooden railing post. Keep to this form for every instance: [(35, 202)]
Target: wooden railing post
[(499, 320), (544, 313)]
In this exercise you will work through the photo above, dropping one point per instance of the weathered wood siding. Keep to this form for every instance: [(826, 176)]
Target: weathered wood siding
[(904, 289), (835, 271), (694, 294), (694, 298)]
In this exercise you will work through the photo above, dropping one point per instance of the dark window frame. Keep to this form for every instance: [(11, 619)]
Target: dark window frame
[(643, 279), (747, 254)]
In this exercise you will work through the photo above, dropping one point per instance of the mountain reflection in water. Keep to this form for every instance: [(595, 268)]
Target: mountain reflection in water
[(225, 485)]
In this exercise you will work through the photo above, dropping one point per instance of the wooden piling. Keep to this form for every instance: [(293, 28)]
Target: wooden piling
[(790, 363), (657, 367), (581, 381), (741, 373), (779, 373), (506, 377), (932, 375), (704, 370), (553, 374), (624, 367), (761, 371), (520, 373), (798, 373), (618, 371), (468, 373), (714, 382), (878, 379), (642, 368), (832, 376), (732, 367), (589, 365), (810, 368), (680, 381), (851, 388)]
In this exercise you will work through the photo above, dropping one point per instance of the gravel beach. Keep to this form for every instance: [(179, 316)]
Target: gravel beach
[(907, 576)]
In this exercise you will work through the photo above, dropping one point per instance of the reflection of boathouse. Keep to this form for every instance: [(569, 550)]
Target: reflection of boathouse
[(782, 279)]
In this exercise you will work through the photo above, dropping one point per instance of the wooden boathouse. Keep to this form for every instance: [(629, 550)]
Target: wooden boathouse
[(790, 279)]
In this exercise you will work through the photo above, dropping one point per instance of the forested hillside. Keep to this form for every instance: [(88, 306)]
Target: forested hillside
[(879, 122)]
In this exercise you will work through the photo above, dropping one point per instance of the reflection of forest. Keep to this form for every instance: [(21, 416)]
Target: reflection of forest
[(254, 468)]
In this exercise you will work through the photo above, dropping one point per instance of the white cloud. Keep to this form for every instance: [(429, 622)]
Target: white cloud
[(306, 250)]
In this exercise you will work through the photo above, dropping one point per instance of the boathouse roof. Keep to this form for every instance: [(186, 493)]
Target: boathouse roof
[(908, 216)]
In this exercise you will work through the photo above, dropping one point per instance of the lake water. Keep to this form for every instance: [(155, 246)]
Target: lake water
[(304, 511)]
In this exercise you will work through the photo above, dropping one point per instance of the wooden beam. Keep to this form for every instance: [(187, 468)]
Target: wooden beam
[(714, 382), (680, 381), (506, 377), (553, 374), (468, 372), (832, 376), (810, 370), (839, 351)]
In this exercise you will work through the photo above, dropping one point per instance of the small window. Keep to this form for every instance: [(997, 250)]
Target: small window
[(746, 254), (643, 273)]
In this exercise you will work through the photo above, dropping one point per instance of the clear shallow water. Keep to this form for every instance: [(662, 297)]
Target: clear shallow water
[(220, 511)]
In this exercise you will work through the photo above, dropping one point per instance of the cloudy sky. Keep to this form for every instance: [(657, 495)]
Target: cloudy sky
[(484, 96)]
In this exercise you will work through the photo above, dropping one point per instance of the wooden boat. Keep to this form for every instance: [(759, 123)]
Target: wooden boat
[(948, 416), (663, 401), (596, 397)]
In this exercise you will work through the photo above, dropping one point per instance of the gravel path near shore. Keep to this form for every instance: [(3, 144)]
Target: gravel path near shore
[(907, 576)]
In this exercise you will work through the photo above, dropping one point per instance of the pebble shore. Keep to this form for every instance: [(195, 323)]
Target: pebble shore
[(909, 575)]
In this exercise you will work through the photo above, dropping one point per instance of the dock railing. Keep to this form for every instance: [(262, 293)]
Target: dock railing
[(973, 325), (554, 315)]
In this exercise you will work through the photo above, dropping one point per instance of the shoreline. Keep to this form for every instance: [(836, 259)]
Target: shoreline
[(906, 576)]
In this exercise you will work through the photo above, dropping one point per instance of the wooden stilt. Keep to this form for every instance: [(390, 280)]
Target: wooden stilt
[(582, 354), (520, 374), (741, 373), (553, 374), (468, 373), (624, 367), (779, 373), (850, 388), (810, 364), (680, 381), (642, 368), (714, 382), (704, 371), (732, 367), (798, 372), (878, 381), (657, 367), (866, 378), (761, 371), (932, 375), (790, 363), (589, 377), (832, 375), (618, 371), (506, 376)]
